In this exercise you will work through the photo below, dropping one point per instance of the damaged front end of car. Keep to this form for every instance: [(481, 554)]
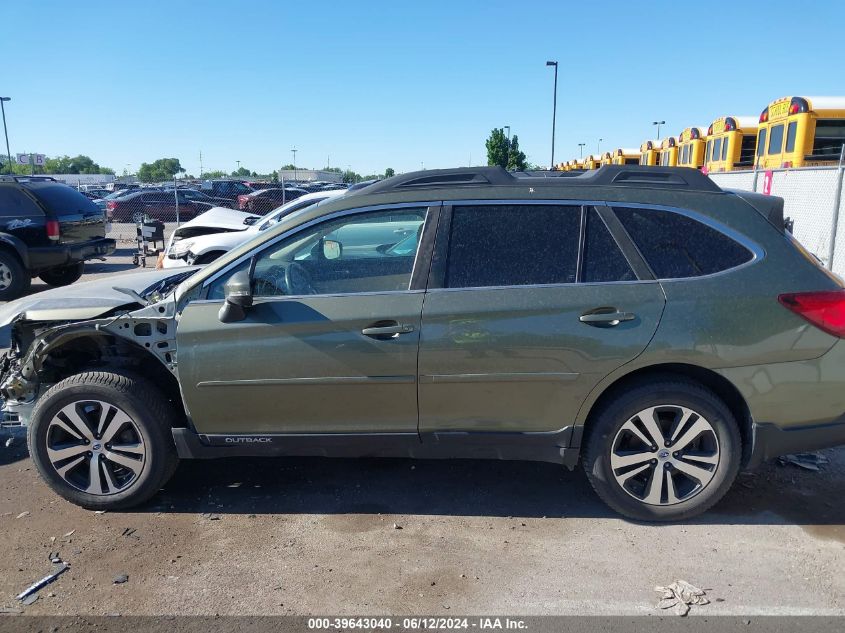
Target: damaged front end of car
[(138, 336)]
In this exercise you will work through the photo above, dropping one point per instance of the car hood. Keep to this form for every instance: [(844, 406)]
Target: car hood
[(219, 217), (85, 300)]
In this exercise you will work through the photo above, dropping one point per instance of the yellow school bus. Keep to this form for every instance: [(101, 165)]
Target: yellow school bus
[(625, 156), (606, 158), (669, 152), (801, 131), (576, 164), (730, 144), (593, 161), (649, 153), (691, 146)]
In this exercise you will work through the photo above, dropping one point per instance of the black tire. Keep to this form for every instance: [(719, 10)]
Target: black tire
[(607, 422), (63, 276), (14, 279), (143, 404)]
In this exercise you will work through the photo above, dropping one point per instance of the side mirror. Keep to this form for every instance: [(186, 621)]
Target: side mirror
[(251, 220), (238, 293), (332, 249)]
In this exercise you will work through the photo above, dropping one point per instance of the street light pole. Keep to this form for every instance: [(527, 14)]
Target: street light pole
[(294, 150), (581, 147), (239, 165), (658, 124), (598, 146), (6, 132), (554, 113), (508, 152)]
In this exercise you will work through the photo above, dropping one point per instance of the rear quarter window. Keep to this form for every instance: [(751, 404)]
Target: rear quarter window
[(61, 199), (676, 246), (14, 203)]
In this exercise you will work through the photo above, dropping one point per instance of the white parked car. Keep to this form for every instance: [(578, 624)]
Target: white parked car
[(219, 230)]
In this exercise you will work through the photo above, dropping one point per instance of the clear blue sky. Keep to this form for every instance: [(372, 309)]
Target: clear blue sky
[(393, 84)]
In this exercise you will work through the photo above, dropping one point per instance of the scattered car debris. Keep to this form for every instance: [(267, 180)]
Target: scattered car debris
[(30, 599), (23, 514), (210, 516), (129, 532), (40, 584), (10, 441), (807, 461), (11, 610), (68, 534), (396, 526), (120, 579), (99, 511), (680, 595)]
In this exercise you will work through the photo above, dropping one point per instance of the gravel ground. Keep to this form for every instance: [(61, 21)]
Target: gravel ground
[(316, 536)]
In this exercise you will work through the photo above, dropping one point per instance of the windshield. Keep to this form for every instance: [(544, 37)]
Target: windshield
[(164, 287)]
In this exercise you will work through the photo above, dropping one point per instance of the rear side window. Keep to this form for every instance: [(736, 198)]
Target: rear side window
[(603, 261), (675, 246), (513, 245), (725, 142), (14, 203), (63, 200)]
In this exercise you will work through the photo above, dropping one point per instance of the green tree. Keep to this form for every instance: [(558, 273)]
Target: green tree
[(351, 177), (161, 169), (389, 172), (516, 158), (213, 174), (80, 164), (497, 148), (336, 170), (289, 166), (241, 172)]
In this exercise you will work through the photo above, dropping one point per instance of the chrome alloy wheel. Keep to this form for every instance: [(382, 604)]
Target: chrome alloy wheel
[(5, 277), (664, 455), (95, 447)]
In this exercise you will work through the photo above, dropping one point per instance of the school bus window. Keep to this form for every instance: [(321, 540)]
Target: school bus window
[(708, 153), (830, 135), (776, 140), (725, 149), (717, 148), (790, 136), (746, 151), (761, 142)]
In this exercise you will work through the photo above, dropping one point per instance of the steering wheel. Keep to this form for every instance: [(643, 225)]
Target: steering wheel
[(298, 280), (271, 282)]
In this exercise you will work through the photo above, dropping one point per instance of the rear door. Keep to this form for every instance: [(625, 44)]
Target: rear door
[(529, 306), (79, 218)]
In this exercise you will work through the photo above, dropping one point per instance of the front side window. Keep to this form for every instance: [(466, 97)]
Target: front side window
[(776, 140), (353, 254), (725, 142), (513, 245), (717, 148), (676, 246)]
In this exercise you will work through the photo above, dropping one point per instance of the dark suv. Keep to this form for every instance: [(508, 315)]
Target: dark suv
[(664, 332), (47, 229)]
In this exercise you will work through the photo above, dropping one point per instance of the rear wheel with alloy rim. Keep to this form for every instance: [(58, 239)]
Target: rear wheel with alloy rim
[(665, 450), (102, 439), (14, 280)]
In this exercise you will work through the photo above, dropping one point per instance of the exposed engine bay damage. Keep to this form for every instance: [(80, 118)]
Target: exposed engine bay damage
[(43, 354)]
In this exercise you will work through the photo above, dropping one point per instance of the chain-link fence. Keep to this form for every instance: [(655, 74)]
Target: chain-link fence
[(812, 200)]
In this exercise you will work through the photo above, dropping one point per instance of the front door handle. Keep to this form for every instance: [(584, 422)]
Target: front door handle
[(385, 330), (606, 317)]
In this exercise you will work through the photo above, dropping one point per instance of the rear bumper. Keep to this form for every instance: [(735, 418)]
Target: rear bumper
[(771, 441), (43, 258)]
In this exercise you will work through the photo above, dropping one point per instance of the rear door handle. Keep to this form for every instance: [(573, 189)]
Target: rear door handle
[(606, 317), (387, 330)]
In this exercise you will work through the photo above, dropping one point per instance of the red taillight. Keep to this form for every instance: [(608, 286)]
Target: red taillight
[(111, 205), (52, 227), (787, 164), (764, 115), (825, 309)]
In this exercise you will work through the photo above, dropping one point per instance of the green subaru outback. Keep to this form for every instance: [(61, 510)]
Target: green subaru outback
[(664, 332)]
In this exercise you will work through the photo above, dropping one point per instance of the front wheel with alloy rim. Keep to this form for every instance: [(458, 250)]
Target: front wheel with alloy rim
[(102, 440), (663, 451)]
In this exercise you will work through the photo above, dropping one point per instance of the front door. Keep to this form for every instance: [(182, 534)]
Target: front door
[(522, 326), (331, 342)]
